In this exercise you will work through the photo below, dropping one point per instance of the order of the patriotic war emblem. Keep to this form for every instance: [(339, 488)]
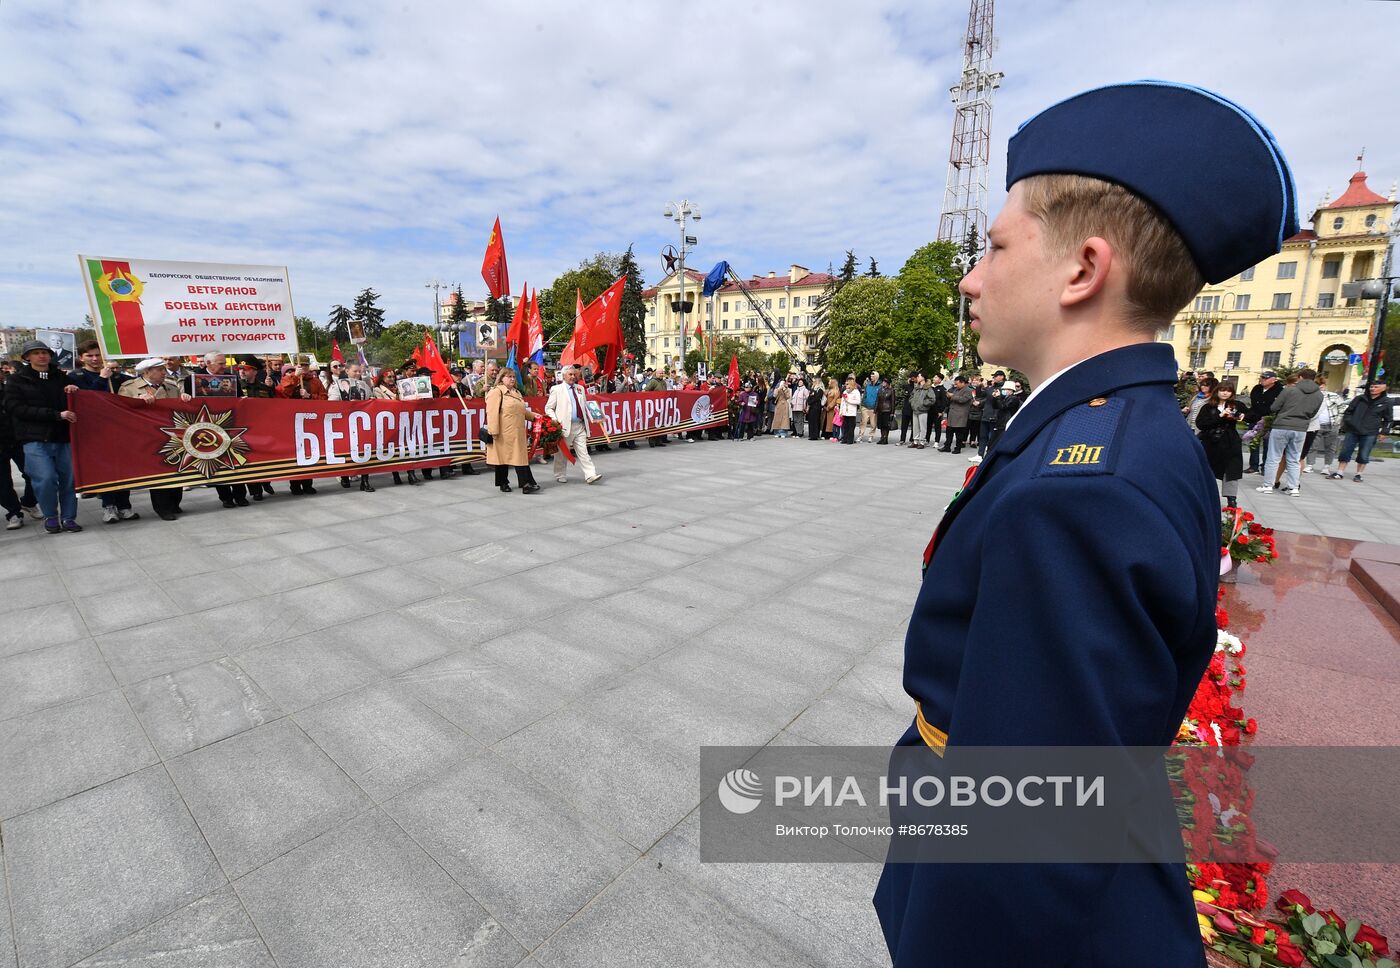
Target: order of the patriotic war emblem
[(205, 442)]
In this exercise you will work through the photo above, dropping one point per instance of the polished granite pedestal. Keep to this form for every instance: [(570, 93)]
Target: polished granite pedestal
[(1323, 665)]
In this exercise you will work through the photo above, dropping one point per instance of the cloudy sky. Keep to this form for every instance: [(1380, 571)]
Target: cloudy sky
[(374, 143)]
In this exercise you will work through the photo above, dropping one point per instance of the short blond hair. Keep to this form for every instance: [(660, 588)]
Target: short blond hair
[(1162, 276)]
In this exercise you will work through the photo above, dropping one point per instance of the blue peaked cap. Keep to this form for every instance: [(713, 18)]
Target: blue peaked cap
[(1211, 168)]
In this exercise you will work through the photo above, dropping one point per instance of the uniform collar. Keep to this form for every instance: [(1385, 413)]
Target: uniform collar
[(1127, 366)]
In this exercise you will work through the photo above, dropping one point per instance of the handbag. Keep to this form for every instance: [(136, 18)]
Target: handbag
[(486, 436), (838, 420)]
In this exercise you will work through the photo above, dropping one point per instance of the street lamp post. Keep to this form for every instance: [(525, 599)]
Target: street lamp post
[(963, 261), (678, 213)]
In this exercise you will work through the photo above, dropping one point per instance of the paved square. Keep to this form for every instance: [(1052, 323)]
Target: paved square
[(444, 725)]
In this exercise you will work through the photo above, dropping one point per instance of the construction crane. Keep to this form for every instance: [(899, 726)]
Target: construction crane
[(969, 156), (733, 277)]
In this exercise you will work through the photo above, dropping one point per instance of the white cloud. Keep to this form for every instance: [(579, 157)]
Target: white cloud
[(368, 144)]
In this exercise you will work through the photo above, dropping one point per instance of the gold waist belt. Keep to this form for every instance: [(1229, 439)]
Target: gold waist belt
[(933, 737)]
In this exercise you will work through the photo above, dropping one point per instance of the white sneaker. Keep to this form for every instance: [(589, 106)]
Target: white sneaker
[(1307, 469), (34, 513), (1265, 489), (1291, 492), (14, 522), (595, 478), (561, 480), (109, 516), (126, 514), (974, 459)]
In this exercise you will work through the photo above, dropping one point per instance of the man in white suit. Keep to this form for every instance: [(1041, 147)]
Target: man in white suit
[(568, 405)]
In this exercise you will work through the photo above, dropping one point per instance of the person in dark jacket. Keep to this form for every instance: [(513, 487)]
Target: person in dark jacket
[(816, 405), (1261, 401), (959, 407), (1218, 421), (254, 383), (939, 393), (11, 451), (103, 376), (37, 401), (884, 409), (1361, 424)]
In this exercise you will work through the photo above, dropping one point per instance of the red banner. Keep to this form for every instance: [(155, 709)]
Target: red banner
[(121, 443)]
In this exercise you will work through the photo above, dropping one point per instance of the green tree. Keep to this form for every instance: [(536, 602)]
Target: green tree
[(924, 328), (860, 329), (848, 268), (634, 311), (459, 308), (874, 270), (395, 343), (338, 323), (729, 347), (499, 312), (823, 307), (1390, 343), (373, 316), (559, 302), (309, 336)]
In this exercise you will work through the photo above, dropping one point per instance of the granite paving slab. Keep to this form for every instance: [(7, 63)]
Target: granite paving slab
[(63, 750), (261, 793), (366, 896), (384, 739), (202, 704), (212, 932), (526, 855), (92, 869)]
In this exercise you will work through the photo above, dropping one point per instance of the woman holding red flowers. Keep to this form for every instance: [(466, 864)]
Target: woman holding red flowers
[(1218, 423)]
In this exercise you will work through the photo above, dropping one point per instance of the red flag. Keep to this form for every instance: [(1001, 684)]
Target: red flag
[(734, 373), (432, 359), (515, 336), (699, 331), (570, 355), (336, 355), (493, 267), (601, 326), (534, 348)]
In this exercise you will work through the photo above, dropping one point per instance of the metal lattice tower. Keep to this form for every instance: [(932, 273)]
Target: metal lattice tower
[(965, 198)]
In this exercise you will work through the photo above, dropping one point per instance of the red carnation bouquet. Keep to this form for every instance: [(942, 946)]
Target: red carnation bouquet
[(1245, 538), (548, 431)]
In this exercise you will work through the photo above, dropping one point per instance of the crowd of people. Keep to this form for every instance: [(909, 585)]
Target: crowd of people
[(1288, 426), (951, 412), (36, 416), (1285, 427)]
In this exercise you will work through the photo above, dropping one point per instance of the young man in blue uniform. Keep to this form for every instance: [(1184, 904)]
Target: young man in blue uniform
[(1070, 588)]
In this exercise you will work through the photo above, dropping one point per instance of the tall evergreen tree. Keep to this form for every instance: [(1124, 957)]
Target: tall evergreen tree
[(338, 323), (874, 271), (848, 268), (459, 308), (373, 316), (822, 316), (634, 311)]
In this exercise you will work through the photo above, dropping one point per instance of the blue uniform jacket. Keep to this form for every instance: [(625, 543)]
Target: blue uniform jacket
[(1069, 601)]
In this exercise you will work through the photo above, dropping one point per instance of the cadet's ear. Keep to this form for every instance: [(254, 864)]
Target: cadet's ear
[(1089, 269)]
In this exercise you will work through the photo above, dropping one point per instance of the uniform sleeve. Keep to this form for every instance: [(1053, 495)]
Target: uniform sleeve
[(1073, 642)]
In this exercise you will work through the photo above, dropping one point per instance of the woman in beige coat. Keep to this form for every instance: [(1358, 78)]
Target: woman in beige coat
[(506, 414), (782, 410), (833, 400)]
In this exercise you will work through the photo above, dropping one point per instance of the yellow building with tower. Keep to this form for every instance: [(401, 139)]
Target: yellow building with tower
[(790, 300), (1289, 310)]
